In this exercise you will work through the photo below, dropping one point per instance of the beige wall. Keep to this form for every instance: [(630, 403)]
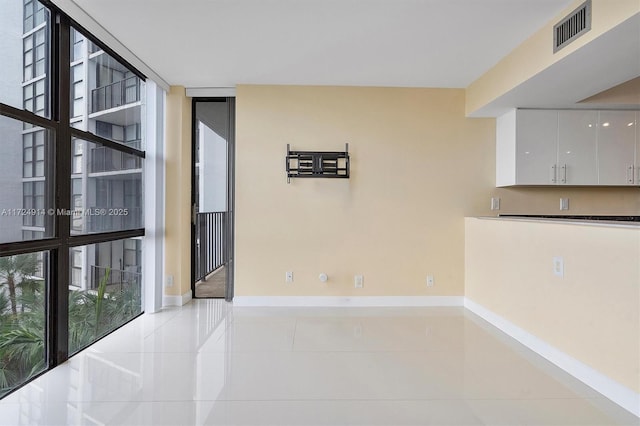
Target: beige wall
[(178, 192), (592, 314), (627, 93), (582, 201), (535, 54), (418, 167)]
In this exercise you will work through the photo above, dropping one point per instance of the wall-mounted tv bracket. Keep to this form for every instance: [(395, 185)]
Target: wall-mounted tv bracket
[(317, 164)]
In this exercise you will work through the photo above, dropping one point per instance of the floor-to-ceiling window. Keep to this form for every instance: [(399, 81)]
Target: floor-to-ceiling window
[(72, 136)]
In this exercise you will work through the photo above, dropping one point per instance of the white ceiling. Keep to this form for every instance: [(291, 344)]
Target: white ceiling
[(406, 43)]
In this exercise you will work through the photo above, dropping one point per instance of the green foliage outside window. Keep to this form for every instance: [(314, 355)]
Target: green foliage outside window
[(92, 314)]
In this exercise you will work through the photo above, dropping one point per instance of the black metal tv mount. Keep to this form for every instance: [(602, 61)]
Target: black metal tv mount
[(317, 164)]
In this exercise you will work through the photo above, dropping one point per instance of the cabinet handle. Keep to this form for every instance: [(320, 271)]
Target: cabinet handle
[(554, 174), (564, 173), (630, 174)]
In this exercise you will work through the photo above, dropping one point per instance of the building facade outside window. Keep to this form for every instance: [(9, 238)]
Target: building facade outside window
[(92, 228)]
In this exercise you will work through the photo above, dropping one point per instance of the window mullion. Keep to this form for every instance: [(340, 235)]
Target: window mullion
[(59, 301)]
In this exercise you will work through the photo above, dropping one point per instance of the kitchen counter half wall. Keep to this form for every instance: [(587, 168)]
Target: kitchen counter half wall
[(573, 285)]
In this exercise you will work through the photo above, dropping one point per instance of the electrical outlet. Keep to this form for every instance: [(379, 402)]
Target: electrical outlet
[(357, 331), (430, 281), (288, 277), (564, 204), (495, 203), (358, 280), (169, 282), (558, 266)]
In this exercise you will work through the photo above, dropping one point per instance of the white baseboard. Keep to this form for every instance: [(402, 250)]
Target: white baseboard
[(176, 300), (621, 395), (339, 301)]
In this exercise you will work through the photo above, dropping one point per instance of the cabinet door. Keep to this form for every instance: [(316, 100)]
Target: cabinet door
[(577, 163), (616, 147), (536, 146), (637, 168)]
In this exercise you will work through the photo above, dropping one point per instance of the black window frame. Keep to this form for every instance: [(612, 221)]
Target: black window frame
[(56, 121)]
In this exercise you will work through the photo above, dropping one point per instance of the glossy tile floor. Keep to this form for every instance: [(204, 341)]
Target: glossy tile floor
[(209, 363)]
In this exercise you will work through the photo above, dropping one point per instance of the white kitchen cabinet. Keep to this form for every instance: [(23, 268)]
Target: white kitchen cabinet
[(617, 148), (637, 165), (577, 153), (526, 147), (567, 147), (536, 146)]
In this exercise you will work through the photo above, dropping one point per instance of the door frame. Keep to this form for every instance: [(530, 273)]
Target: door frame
[(229, 250)]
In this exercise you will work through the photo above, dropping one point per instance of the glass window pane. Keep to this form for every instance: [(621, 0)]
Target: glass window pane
[(77, 110), (28, 43), (77, 45), (39, 171), (78, 74), (106, 270), (22, 317), (39, 137), (39, 153), (40, 37), (23, 204), (76, 166), (76, 186), (40, 103), (78, 89), (113, 98), (27, 188), (40, 52), (78, 147), (39, 16), (28, 23), (28, 170), (28, 72), (111, 189), (23, 57), (40, 68)]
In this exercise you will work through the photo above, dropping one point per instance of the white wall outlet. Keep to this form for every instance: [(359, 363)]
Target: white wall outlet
[(169, 282), (357, 331), (429, 280), (558, 266), (288, 276), (564, 204), (358, 281), (495, 203)]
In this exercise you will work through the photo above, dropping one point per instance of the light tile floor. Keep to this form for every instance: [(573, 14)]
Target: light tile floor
[(210, 364)]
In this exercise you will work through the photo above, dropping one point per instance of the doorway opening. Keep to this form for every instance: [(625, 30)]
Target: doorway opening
[(212, 197)]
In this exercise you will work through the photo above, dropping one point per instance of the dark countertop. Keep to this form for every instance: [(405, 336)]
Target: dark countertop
[(579, 217)]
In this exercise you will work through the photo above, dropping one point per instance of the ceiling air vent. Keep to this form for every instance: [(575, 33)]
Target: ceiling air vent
[(572, 26)]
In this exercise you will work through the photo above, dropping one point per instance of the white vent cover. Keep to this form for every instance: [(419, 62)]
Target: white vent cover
[(572, 26)]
